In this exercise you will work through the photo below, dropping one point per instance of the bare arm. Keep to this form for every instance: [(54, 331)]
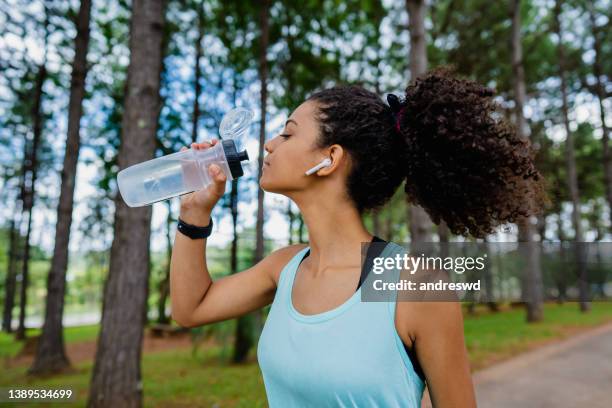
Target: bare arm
[(197, 299), (189, 276), (440, 348)]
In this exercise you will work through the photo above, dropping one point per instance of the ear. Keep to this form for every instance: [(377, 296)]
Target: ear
[(338, 156)]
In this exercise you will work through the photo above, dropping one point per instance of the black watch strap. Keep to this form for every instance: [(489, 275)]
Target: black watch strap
[(193, 231)]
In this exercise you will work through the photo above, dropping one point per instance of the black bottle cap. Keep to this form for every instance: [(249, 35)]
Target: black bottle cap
[(234, 157)]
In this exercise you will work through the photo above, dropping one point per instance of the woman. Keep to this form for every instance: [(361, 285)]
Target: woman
[(321, 346)]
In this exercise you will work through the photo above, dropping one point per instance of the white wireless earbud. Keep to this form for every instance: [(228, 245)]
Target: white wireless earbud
[(325, 163)]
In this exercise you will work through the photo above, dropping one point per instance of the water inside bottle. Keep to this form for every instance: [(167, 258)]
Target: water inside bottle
[(171, 175)]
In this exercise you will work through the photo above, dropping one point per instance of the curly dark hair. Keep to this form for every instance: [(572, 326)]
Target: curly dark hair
[(461, 161)]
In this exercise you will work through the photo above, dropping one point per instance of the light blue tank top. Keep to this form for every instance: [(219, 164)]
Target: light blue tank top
[(349, 356)]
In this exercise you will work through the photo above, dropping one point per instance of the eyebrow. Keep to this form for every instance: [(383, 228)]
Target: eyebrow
[(291, 120)]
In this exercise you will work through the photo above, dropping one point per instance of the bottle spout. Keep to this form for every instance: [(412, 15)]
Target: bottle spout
[(234, 157), (243, 155)]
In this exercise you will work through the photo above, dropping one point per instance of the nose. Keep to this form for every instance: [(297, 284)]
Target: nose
[(268, 145)]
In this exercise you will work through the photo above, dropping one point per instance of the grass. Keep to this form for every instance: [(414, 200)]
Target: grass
[(170, 378), (201, 381), (9, 347), (176, 378), (492, 337)]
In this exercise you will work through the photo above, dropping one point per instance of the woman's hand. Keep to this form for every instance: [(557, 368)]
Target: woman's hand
[(197, 206)]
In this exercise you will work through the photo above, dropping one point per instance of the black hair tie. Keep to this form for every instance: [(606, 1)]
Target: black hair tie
[(396, 108)]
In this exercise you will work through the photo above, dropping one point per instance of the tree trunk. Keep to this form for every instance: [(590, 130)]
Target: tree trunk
[(488, 278), (572, 178), (234, 210), (389, 226), (301, 229), (601, 96), (234, 198), (290, 217), (20, 245), (418, 41), (444, 236), (541, 227), (244, 333), (10, 282), (116, 379), (241, 325), (376, 222), (443, 232), (531, 284), (51, 353), (18, 253), (164, 284), (263, 101), (29, 193), (600, 282), (560, 280), (420, 224), (197, 74)]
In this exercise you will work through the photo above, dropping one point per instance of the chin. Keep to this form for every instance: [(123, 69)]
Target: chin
[(265, 186), (269, 187)]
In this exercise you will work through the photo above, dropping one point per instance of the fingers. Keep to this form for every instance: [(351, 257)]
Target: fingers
[(216, 173), (204, 145), (201, 145), (219, 179)]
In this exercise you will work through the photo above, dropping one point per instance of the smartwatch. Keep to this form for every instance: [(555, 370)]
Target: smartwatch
[(193, 231)]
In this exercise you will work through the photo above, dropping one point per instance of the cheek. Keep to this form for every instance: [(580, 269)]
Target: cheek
[(286, 173), (291, 160)]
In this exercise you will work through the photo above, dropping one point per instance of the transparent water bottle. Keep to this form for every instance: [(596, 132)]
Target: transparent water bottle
[(183, 172)]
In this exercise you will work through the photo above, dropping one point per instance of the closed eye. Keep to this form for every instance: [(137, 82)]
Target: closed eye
[(284, 135)]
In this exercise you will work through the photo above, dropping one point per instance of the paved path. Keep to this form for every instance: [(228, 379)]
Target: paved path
[(572, 373)]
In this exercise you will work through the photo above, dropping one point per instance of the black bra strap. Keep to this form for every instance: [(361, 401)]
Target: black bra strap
[(373, 252)]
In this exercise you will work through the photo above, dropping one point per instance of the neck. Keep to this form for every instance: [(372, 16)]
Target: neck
[(335, 232)]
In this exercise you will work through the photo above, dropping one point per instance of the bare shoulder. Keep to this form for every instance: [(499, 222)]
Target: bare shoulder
[(277, 259), (424, 313), (426, 318)]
